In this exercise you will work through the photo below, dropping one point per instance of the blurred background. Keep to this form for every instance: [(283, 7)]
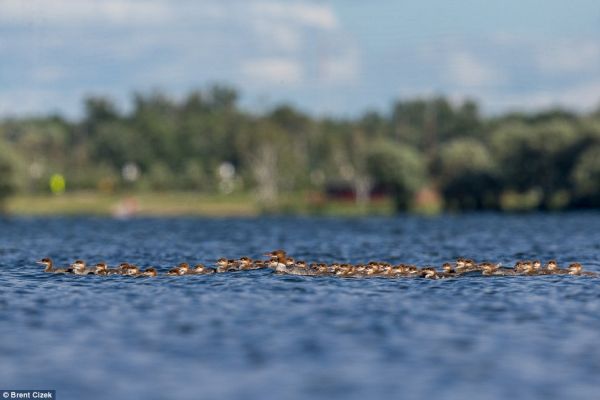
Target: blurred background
[(244, 107)]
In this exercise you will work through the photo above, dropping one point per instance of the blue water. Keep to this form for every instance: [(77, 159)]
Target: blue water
[(257, 335)]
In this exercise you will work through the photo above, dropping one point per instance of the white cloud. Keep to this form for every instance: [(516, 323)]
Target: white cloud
[(277, 35), (467, 70), (583, 96), (61, 12), (340, 68), (300, 12), (273, 70)]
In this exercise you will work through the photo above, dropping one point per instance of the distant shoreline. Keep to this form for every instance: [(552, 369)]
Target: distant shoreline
[(179, 204), (157, 204)]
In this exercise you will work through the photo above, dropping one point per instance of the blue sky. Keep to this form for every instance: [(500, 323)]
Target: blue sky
[(339, 56)]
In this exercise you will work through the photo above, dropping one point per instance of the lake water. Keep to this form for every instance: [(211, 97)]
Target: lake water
[(258, 335)]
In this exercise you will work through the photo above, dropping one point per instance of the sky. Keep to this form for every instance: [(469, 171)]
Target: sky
[(339, 57)]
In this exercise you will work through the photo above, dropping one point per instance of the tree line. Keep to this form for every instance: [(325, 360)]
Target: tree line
[(206, 142)]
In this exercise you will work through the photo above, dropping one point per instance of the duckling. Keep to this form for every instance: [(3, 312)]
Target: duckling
[(488, 269), (334, 268), (359, 269), (321, 269), (225, 265), (526, 268), (370, 270), (349, 270), (49, 266), (386, 269), (174, 272), (122, 269), (180, 269), (200, 269), (184, 267), (114, 271), (577, 269), (552, 268), (537, 266), (290, 262), (412, 270), (132, 270), (505, 271), (448, 271), (245, 264), (101, 269), (345, 270), (148, 272), (259, 264), (459, 266), (471, 266), (429, 273), (79, 268), (398, 270)]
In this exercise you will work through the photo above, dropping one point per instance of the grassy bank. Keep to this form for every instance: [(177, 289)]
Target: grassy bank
[(179, 203)]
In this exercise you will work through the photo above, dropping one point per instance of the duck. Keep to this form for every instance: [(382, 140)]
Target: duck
[(120, 270), (79, 268), (346, 270), (387, 269), (577, 269), (299, 268), (101, 269), (277, 266), (200, 269), (225, 265), (322, 269), (552, 268), (132, 270), (148, 272), (412, 270), (489, 269), (398, 270), (428, 273), (181, 269), (278, 260), (459, 265), (245, 264), (448, 271), (113, 271), (526, 268), (49, 266)]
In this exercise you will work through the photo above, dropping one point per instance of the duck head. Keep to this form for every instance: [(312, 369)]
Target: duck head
[(47, 263)]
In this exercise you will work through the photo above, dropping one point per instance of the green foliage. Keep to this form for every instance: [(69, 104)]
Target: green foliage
[(7, 174), (586, 176), (206, 142), (537, 156), (467, 176), (399, 168)]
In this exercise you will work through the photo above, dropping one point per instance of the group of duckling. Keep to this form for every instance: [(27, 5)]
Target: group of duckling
[(281, 263)]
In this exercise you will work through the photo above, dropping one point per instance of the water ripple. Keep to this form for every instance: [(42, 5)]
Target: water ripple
[(258, 335)]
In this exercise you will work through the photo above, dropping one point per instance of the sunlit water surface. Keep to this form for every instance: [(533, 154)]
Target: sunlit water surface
[(258, 335)]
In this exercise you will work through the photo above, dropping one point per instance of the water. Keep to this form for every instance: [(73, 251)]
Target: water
[(257, 335)]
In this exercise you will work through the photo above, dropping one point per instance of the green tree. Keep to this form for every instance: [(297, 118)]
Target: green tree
[(586, 177), (399, 168), (538, 157), (467, 176), (7, 174)]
